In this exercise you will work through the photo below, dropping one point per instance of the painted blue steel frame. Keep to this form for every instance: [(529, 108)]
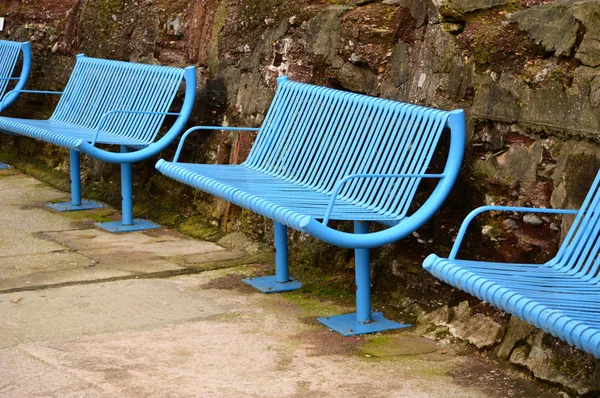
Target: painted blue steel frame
[(112, 103), (10, 52), (323, 154), (560, 296)]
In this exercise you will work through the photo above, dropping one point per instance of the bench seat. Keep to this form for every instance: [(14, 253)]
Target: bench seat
[(63, 134), (284, 201), (562, 296)]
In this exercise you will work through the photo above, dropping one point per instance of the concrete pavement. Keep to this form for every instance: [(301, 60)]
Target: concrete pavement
[(84, 313)]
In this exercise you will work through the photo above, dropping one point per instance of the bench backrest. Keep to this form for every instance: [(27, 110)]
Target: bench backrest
[(580, 249), (98, 86), (315, 136), (9, 57)]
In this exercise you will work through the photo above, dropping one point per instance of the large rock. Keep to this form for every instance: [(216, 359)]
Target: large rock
[(551, 24), (478, 329), (516, 332), (551, 107), (418, 9), (438, 73), (323, 32), (358, 79), (555, 361), (588, 12), (573, 175), (457, 8), (517, 165), (556, 25), (400, 64)]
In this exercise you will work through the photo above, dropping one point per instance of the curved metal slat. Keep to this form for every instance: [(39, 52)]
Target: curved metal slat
[(10, 53), (99, 86)]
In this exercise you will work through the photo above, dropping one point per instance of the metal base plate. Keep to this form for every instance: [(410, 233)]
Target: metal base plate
[(5, 166), (68, 206), (117, 226), (269, 284), (346, 324)]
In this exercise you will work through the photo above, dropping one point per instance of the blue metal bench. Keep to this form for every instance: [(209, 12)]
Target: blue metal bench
[(10, 52), (112, 103), (561, 296), (322, 155)]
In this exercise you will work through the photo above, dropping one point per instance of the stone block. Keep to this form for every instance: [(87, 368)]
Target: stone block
[(517, 331), (551, 25)]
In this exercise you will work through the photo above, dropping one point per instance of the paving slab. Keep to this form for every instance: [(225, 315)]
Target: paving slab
[(85, 313), (164, 245), (183, 337), (41, 247)]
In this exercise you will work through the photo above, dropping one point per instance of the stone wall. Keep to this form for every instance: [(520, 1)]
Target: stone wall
[(526, 71)]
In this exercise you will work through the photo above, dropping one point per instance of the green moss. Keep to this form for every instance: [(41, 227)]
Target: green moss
[(38, 169), (326, 286), (99, 215), (397, 344), (196, 228), (312, 307)]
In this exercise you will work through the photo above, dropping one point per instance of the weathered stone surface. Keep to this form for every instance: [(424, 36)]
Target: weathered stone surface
[(509, 223), (400, 64), (550, 108), (555, 361), (437, 317), (574, 172), (478, 329), (551, 24), (516, 332), (454, 8), (438, 72), (588, 12), (497, 99), (472, 5), (573, 175), (595, 91), (518, 164), (323, 31), (418, 9), (358, 79)]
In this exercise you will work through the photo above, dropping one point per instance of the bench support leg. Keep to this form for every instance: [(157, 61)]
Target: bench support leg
[(281, 281), (363, 321), (76, 202), (127, 223)]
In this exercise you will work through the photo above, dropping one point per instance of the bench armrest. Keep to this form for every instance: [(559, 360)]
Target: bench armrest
[(196, 128), (482, 209), (338, 186), (457, 124), (105, 116), (15, 92)]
